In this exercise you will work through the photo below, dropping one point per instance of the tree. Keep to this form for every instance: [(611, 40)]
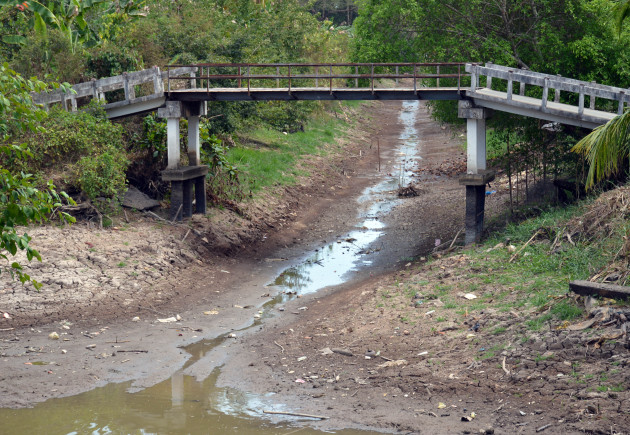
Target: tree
[(621, 12), (21, 202), (84, 22), (606, 148)]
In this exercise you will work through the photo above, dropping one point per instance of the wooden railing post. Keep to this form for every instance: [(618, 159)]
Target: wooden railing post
[(622, 96), (438, 76), (415, 88), (581, 101), (372, 78), (331, 80), (592, 98), (356, 79), (510, 85)]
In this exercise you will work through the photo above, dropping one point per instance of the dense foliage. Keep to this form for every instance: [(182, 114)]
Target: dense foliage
[(21, 202), (573, 38)]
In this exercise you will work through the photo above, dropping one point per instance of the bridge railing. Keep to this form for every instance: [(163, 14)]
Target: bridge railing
[(320, 75), (548, 83), (129, 83)]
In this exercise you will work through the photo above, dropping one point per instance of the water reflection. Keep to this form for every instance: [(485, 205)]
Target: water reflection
[(332, 264)]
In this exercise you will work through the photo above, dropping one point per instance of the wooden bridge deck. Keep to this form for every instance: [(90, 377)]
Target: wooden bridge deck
[(315, 93)]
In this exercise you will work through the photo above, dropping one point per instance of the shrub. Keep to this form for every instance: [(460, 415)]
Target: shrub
[(102, 175)]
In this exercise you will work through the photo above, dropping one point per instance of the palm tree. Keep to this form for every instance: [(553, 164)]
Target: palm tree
[(620, 13), (606, 148)]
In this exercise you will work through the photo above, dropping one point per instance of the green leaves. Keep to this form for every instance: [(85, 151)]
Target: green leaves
[(605, 148), (620, 13), (20, 205)]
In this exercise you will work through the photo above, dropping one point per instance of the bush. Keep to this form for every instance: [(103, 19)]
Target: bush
[(50, 57), (102, 175), (73, 149), (66, 137)]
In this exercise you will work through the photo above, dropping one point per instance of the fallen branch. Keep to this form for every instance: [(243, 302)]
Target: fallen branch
[(279, 345), (186, 235), (456, 236), (524, 246), (296, 414), (177, 214), (507, 372)]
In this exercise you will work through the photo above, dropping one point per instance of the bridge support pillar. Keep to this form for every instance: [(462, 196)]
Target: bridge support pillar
[(184, 180), (172, 112), (477, 176), (193, 111)]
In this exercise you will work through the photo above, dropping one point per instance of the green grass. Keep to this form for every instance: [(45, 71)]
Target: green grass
[(271, 158)]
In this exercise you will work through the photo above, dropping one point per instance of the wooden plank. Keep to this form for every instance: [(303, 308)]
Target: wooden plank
[(587, 288)]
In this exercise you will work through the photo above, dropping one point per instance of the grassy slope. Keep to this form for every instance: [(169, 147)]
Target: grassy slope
[(268, 158)]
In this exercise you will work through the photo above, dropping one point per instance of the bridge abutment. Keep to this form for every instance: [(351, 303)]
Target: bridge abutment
[(477, 176), (187, 182)]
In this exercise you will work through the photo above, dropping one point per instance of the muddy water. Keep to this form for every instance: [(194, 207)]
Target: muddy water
[(182, 404)]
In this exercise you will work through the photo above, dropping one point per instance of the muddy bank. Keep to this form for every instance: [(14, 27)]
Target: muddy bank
[(99, 280)]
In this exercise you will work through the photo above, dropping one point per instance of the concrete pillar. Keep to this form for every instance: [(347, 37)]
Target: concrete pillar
[(187, 198), (475, 202), (200, 195), (476, 145), (477, 176), (183, 181), (172, 112), (193, 141), (177, 199), (172, 141)]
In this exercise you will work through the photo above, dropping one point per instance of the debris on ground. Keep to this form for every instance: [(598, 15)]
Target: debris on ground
[(407, 192)]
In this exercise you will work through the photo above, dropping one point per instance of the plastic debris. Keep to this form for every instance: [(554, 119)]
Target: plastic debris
[(53, 336), (167, 320), (470, 296), (441, 405)]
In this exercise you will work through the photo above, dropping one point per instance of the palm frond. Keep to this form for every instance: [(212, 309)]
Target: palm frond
[(620, 13), (605, 148)]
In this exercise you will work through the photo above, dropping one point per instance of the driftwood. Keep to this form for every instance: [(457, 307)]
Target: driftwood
[(296, 414), (587, 288)]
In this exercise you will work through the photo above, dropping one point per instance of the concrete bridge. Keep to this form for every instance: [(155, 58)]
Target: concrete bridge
[(184, 90)]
